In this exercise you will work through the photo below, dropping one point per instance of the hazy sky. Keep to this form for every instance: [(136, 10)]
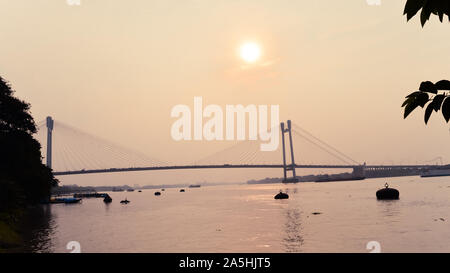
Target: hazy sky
[(340, 69)]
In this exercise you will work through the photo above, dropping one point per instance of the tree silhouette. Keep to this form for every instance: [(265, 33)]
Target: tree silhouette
[(24, 179), (440, 101), (441, 98), (436, 7)]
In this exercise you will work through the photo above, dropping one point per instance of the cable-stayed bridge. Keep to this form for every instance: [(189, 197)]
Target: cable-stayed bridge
[(71, 151)]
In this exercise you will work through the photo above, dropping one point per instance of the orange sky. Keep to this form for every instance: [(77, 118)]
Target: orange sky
[(340, 69)]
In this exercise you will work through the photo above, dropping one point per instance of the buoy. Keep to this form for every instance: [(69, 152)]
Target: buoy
[(388, 193), (282, 195), (157, 193)]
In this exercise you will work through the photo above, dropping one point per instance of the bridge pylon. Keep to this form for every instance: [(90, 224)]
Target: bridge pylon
[(49, 141), (288, 167)]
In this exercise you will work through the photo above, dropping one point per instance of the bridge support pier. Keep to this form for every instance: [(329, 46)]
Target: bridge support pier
[(49, 141), (286, 167), (359, 171)]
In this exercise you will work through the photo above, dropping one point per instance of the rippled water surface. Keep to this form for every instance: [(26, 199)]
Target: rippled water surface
[(318, 217)]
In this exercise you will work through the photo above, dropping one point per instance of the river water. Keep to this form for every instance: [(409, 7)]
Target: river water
[(318, 217)]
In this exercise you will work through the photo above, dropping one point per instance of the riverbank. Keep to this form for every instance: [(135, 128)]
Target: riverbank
[(10, 237)]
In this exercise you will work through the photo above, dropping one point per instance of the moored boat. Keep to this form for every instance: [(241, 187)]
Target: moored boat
[(65, 200), (107, 199), (89, 195), (335, 179), (125, 201)]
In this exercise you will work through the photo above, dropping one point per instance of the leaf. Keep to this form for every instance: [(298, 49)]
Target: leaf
[(410, 107), (412, 7), (437, 7), (445, 7), (443, 85), (414, 94), (446, 109), (428, 87), (429, 111), (406, 102), (441, 8), (422, 99), (437, 102), (426, 12)]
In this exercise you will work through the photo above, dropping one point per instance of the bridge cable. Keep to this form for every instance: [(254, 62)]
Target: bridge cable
[(322, 148), (324, 143)]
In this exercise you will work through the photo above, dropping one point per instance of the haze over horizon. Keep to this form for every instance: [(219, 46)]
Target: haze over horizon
[(116, 68)]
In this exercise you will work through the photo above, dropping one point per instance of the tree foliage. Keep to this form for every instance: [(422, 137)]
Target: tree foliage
[(433, 94), (428, 7), (23, 178)]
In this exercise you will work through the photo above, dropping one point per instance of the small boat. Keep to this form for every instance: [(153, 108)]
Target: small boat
[(71, 200), (387, 193), (124, 201), (281, 195), (130, 190), (89, 195), (67, 200), (182, 190), (139, 191), (157, 193), (163, 189), (328, 178), (107, 199)]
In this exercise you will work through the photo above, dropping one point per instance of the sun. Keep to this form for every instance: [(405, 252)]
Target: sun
[(250, 52)]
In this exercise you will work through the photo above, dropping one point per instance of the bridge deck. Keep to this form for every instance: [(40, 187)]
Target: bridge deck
[(230, 166)]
